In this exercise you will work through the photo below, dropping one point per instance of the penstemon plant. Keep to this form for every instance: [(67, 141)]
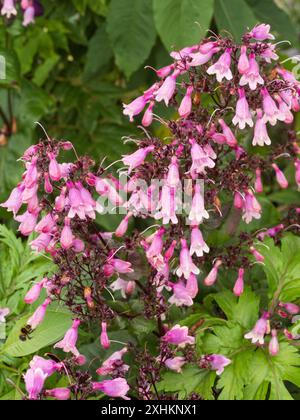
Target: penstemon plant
[(182, 342)]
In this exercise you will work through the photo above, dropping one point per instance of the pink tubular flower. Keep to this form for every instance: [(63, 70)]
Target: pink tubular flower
[(175, 363), (186, 104), (285, 110), (261, 32), (3, 314), (192, 286), (271, 112), (256, 254), (168, 206), (198, 245), (34, 382), (126, 287), (230, 137), (120, 266), (251, 76), (269, 53), (186, 267), (68, 343), (198, 212), (222, 67), (218, 362), (156, 246), (123, 226), (148, 116), (202, 157), (260, 131), (46, 224), (29, 15), (8, 8), (135, 107), (167, 89), (14, 202), (47, 184), (34, 293), (252, 208), (54, 169), (137, 158), (258, 181), (243, 64), (238, 201), (113, 362), (259, 331), (41, 243), (238, 289), (281, 179), (60, 394), (28, 222), (243, 115), (199, 58), (173, 177), (104, 340), (211, 278), (67, 237), (181, 295), (184, 52), (47, 366), (274, 344), (39, 315), (115, 388), (179, 336), (291, 308)]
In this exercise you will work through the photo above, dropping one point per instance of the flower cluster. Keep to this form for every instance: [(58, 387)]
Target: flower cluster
[(30, 9), (202, 160)]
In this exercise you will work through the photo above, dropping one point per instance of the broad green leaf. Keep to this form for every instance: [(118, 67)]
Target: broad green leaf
[(43, 71), (182, 22), (131, 31), (9, 67), (285, 197), (99, 54), (100, 7), (235, 16), (81, 5), (267, 11), (50, 331)]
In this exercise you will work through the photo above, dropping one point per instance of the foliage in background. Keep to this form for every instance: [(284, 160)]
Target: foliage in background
[(75, 66)]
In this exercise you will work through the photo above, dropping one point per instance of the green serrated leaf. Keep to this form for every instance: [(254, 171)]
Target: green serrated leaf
[(130, 27), (182, 22)]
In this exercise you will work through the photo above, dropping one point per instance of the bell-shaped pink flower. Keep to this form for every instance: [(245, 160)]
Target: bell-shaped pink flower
[(68, 343), (28, 222), (173, 177), (184, 52), (238, 201), (230, 137), (46, 224), (175, 363), (201, 158), (198, 245), (47, 184), (186, 104), (135, 107), (29, 15), (211, 278), (179, 336), (222, 67), (126, 287), (269, 54), (41, 243), (113, 362), (192, 286), (34, 293), (120, 266), (218, 362), (199, 58), (186, 267), (123, 226), (243, 63), (243, 115), (67, 237), (60, 201), (198, 212), (148, 116), (167, 89), (34, 382), (285, 110), (281, 179), (168, 206), (274, 344), (39, 315), (60, 394), (258, 181), (261, 32), (165, 71), (8, 8), (181, 296), (252, 208), (238, 289), (252, 76), (14, 202), (291, 308), (48, 366), (261, 136), (259, 331), (54, 169), (256, 254), (271, 112), (104, 340), (137, 158), (156, 246), (115, 388)]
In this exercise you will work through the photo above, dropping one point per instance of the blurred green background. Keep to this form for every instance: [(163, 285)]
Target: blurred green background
[(74, 67)]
